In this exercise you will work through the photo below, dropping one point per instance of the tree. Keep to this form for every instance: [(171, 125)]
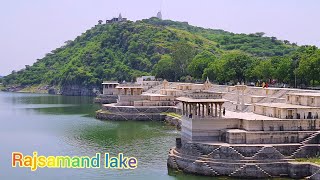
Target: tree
[(165, 68), (199, 63), (259, 34), (309, 67), (182, 55), (237, 65), (283, 69), (215, 71), (286, 42), (264, 70), (233, 66)]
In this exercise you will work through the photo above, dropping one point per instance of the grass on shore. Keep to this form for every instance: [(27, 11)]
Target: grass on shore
[(315, 160), (103, 111), (173, 115)]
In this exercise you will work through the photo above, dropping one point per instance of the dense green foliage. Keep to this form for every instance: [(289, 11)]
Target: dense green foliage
[(170, 50)]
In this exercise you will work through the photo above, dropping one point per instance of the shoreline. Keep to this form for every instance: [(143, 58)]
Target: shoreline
[(70, 90)]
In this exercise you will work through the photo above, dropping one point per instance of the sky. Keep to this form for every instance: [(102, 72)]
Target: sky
[(31, 28)]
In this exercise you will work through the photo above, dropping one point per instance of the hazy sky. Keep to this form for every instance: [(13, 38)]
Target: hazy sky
[(32, 28)]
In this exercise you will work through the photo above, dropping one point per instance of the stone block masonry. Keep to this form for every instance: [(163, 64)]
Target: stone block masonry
[(242, 161), (143, 113)]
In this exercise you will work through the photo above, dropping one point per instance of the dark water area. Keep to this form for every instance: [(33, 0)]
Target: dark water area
[(65, 126)]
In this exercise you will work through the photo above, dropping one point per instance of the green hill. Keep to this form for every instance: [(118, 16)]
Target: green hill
[(123, 51)]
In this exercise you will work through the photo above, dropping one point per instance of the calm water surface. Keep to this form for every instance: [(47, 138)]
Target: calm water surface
[(59, 125)]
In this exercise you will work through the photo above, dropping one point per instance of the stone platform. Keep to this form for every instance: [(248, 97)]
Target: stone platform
[(139, 113), (244, 161)]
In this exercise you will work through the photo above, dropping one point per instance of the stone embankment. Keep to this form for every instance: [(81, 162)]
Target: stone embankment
[(243, 161), (139, 113)]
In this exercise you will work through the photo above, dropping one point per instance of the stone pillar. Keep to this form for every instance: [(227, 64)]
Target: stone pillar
[(220, 106), (242, 100), (199, 110), (202, 109), (186, 107), (212, 110), (208, 109), (238, 99), (215, 110), (187, 111), (183, 108), (194, 109), (190, 111)]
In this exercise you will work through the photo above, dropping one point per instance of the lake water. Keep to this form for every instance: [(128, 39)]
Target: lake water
[(65, 126)]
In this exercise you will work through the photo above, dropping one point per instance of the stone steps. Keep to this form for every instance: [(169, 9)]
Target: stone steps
[(310, 138), (207, 155), (240, 156), (251, 170), (258, 152), (175, 163), (268, 152), (256, 169), (211, 169), (297, 151), (238, 169), (315, 175), (263, 171), (211, 160), (275, 96), (229, 153), (237, 152)]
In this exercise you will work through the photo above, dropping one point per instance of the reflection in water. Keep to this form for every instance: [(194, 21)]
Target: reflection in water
[(58, 125)]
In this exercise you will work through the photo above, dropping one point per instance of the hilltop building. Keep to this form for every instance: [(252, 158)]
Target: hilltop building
[(118, 19), (159, 15)]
